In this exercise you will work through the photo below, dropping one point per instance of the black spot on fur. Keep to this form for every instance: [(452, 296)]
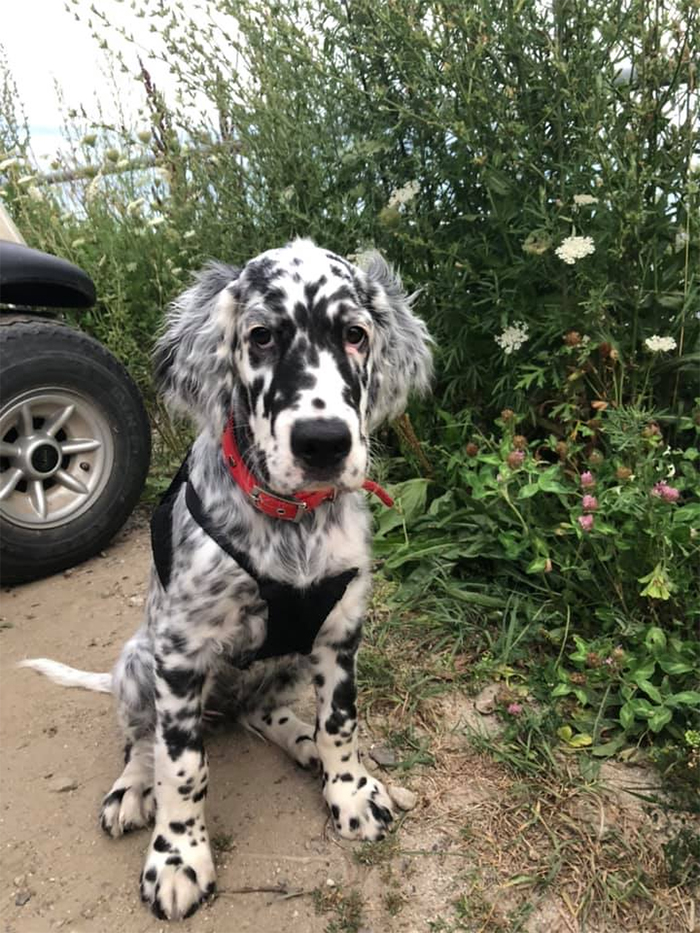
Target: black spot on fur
[(200, 795), (177, 827), (161, 844), (114, 796)]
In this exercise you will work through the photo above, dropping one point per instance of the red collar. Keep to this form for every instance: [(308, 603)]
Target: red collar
[(270, 503)]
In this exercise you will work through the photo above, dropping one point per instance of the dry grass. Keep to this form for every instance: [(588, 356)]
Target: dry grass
[(523, 851)]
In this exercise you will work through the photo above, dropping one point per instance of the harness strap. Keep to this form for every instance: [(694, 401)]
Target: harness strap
[(294, 617)]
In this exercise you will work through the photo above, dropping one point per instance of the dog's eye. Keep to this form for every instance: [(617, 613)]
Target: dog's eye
[(261, 337), (355, 336)]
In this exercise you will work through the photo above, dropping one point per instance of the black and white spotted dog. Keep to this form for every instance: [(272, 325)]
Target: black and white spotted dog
[(295, 359)]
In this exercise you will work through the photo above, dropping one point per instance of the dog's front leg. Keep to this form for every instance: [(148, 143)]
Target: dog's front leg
[(359, 804), (179, 870)]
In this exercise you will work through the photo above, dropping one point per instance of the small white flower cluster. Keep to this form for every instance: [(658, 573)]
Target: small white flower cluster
[(575, 247), (404, 195), (513, 337), (660, 344), (584, 200)]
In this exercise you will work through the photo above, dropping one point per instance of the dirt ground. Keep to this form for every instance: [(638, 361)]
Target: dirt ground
[(61, 751), (468, 857)]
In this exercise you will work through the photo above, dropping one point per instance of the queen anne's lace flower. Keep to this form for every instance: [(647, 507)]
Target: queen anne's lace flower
[(660, 344), (575, 247), (513, 337), (584, 200), (403, 195)]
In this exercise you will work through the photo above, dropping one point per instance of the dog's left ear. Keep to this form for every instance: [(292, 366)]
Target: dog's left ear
[(401, 358), (194, 358)]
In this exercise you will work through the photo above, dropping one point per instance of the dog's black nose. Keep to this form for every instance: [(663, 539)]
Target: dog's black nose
[(321, 443)]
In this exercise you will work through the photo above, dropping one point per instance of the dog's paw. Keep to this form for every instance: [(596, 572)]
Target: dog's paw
[(179, 872), (305, 753), (360, 805), (126, 808)]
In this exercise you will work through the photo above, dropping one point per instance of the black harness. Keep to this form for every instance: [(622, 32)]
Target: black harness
[(295, 615)]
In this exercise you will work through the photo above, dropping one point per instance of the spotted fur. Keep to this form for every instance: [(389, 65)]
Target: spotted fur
[(345, 351)]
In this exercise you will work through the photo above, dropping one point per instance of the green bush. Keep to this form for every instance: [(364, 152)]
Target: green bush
[(468, 141)]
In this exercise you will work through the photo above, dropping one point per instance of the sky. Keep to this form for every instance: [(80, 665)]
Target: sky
[(46, 45)]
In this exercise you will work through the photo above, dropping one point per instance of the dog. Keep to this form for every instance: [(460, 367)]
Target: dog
[(261, 545)]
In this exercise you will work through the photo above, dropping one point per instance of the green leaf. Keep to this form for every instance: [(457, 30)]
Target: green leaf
[(659, 718), (537, 565), (609, 748), (650, 690), (643, 671), (659, 584), (684, 698), (641, 708), (527, 492), (626, 716), (561, 690), (674, 666), (410, 498), (655, 637)]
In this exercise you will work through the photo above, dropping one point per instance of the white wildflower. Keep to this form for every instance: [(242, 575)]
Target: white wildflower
[(584, 200), (34, 193), (575, 247), (92, 192), (156, 221), (8, 163), (585, 340), (404, 195), (25, 180), (189, 235), (513, 337), (660, 344)]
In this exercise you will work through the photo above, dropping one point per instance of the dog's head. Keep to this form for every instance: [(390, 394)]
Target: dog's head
[(310, 353)]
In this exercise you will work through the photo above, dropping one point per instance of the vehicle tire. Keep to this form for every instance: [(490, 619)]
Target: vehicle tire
[(75, 448)]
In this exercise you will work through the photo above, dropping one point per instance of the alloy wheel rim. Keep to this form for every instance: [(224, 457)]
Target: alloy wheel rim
[(56, 455)]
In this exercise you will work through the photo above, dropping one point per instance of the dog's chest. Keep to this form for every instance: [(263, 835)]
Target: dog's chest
[(267, 592)]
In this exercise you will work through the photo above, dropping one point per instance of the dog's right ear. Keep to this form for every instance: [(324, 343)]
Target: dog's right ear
[(194, 358)]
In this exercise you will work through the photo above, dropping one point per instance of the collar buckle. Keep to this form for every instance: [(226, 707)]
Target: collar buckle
[(277, 506)]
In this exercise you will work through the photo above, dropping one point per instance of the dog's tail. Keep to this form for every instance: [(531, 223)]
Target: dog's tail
[(69, 676)]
